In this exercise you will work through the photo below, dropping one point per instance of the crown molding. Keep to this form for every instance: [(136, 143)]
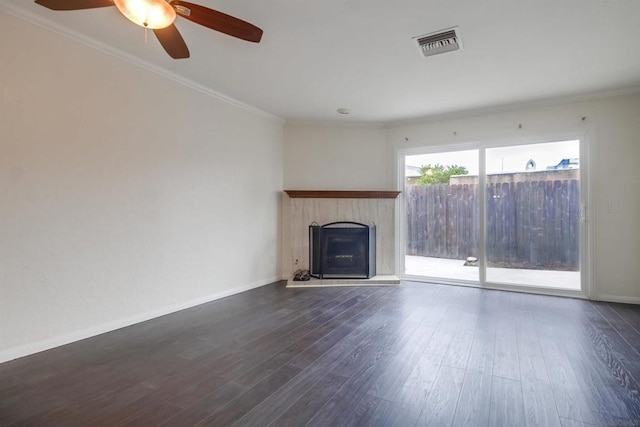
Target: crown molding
[(501, 108), (54, 27)]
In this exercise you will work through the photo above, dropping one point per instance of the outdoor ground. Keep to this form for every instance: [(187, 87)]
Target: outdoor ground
[(455, 269)]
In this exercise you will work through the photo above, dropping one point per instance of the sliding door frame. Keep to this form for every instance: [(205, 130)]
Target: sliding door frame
[(587, 225), (401, 223)]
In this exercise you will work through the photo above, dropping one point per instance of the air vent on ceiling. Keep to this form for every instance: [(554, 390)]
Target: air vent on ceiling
[(439, 42)]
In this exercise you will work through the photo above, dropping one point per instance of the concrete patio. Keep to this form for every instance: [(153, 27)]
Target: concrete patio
[(456, 270)]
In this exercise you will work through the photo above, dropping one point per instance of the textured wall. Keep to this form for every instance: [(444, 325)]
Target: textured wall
[(123, 195)]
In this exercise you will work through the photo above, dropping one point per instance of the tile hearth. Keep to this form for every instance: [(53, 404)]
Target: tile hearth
[(381, 280)]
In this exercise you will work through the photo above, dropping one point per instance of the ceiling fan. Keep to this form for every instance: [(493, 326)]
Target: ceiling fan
[(158, 15)]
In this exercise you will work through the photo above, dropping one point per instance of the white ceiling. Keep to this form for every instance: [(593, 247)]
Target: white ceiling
[(317, 56)]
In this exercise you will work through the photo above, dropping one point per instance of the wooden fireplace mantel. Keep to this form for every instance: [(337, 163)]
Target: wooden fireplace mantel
[(341, 194)]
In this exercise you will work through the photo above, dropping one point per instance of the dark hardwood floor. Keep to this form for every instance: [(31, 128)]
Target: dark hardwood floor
[(418, 354)]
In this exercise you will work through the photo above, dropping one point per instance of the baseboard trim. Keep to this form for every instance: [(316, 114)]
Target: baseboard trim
[(57, 341), (615, 298)]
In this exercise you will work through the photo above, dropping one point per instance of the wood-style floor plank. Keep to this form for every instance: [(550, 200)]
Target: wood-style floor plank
[(539, 405), (418, 354), (412, 397), (441, 401), (306, 406), (475, 400), (507, 405), (506, 362)]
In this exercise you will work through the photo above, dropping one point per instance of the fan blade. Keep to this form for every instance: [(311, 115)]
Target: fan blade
[(172, 41), (218, 21), (74, 4)]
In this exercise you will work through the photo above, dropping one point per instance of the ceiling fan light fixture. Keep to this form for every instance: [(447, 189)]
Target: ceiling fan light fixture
[(153, 14)]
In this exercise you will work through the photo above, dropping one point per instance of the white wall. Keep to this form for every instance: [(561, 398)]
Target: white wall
[(123, 195), (323, 157), (613, 131)]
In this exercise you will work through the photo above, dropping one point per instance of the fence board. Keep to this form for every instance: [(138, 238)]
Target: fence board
[(530, 224)]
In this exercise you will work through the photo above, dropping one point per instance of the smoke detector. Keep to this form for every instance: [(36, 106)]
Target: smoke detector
[(441, 41)]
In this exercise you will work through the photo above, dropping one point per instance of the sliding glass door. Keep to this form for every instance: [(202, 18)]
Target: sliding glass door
[(442, 215), (533, 215), (495, 215)]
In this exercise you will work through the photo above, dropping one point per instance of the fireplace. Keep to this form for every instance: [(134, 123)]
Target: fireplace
[(342, 250)]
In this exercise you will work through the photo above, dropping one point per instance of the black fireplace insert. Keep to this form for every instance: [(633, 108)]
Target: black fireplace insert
[(342, 250)]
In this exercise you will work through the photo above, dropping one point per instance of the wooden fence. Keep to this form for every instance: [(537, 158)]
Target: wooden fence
[(531, 224)]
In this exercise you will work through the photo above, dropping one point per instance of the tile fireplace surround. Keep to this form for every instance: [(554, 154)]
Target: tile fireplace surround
[(301, 208)]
